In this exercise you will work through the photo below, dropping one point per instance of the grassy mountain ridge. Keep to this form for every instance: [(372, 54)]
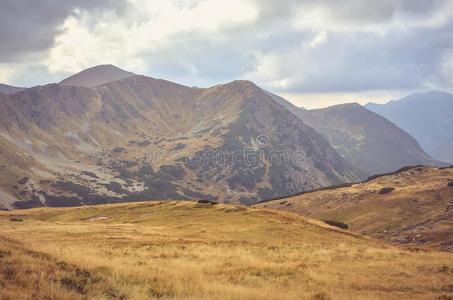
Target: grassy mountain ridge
[(411, 207)]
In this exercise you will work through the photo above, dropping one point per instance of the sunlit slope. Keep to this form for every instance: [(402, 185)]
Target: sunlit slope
[(186, 250), (411, 207)]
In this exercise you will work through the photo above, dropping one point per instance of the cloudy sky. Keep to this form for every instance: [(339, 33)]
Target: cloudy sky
[(313, 52)]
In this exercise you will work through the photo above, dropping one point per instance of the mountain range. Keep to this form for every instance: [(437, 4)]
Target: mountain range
[(428, 117), (371, 143), (107, 135), (142, 138)]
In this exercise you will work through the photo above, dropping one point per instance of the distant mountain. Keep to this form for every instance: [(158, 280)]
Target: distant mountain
[(286, 104), (426, 116), (97, 75), (141, 138), (8, 89), (368, 141), (412, 206)]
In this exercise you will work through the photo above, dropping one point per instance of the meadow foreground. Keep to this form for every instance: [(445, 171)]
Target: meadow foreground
[(187, 250)]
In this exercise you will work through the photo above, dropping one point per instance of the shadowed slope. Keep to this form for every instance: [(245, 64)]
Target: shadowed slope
[(428, 117), (370, 142)]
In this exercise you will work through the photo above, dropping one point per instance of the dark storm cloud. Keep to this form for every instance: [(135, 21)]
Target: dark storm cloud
[(351, 10), (369, 45), (362, 45), (380, 11), (30, 25), (364, 61)]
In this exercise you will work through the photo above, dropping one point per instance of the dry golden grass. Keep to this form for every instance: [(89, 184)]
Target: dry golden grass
[(418, 212), (185, 250)]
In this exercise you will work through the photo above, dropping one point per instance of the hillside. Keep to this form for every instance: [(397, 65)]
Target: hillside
[(428, 117), (370, 142), (8, 89), (411, 207), (142, 138), (177, 250)]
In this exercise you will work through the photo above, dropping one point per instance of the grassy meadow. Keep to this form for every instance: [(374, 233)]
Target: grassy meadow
[(186, 250)]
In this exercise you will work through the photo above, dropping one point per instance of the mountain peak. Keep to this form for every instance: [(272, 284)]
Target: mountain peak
[(97, 75), (352, 105)]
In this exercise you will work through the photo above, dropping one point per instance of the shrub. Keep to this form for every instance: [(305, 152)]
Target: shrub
[(14, 219), (115, 187), (386, 190), (450, 183), (172, 172), (23, 180), (205, 201), (144, 143), (179, 146), (337, 224), (90, 174), (248, 200), (118, 150)]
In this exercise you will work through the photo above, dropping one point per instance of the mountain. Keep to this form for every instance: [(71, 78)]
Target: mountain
[(8, 89), (368, 141), (413, 206), (286, 104), (143, 138), (96, 76), (428, 117)]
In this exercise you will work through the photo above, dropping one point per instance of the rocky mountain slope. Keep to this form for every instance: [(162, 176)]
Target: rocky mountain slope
[(8, 89), (370, 142), (428, 117), (413, 206), (141, 138)]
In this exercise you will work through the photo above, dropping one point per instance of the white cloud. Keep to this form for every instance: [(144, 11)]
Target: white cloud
[(309, 47), (319, 39), (122, 41)]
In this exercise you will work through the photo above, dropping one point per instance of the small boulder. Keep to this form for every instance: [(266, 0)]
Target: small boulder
[(386, 190)]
